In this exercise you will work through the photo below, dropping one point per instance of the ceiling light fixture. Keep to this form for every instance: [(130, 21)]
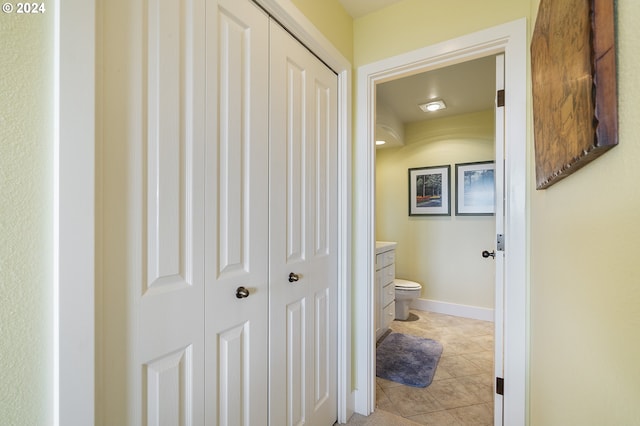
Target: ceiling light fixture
[(432, 106), (380, 142)]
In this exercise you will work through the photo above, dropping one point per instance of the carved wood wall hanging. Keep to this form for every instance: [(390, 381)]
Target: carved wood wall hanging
[(573, 64)]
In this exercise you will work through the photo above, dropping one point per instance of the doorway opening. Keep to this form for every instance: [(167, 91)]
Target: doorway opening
[(509, 39), (441, 252)]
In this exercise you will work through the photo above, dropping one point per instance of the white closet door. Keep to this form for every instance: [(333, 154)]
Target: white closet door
[(184, 169), (236, 322), (197, 196), (302, 240), (152, 169)]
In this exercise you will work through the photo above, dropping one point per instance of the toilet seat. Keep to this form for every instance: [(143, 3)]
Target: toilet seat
[(406, 285)]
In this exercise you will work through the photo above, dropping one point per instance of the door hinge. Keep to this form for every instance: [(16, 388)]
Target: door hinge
[(500, 98), (500, 242), (500, 386)]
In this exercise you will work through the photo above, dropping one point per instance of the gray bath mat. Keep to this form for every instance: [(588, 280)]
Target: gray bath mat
[(406, 359)]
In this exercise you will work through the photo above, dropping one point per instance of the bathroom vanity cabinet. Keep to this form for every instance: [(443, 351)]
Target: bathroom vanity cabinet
[(385, 292)]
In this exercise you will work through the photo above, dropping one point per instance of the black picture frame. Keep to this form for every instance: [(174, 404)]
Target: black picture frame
[(430, 191)]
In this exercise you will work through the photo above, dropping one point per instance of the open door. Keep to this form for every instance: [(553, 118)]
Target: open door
[(499, 248)]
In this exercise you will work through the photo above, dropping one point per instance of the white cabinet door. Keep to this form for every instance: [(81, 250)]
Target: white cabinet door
[(236, 214), (303, 230)]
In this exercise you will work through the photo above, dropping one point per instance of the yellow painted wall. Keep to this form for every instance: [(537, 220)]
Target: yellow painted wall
[(26, 219), (332, 20), (412, 24), (441, 253), (584, 231), (585, 274)]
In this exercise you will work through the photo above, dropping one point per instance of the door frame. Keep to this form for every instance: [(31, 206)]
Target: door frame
[(74, 263), (511, 39), (76, 285)]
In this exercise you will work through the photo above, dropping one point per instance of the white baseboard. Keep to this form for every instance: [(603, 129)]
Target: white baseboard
[(465, 311)]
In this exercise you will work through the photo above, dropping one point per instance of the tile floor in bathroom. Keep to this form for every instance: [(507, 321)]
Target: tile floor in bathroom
[(462, 390)]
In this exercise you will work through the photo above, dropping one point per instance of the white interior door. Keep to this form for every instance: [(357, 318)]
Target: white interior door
[(303, 236), (236, 186), (184, 164), (206, 213), (152, 165), (499, 257)]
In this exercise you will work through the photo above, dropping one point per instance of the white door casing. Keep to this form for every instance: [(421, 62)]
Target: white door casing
[(74, 80), (510, 39), (303, 235)]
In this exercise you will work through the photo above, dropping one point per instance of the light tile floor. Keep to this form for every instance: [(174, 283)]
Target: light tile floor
[(461, 393)]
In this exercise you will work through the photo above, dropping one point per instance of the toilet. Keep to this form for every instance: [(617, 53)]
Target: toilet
[(406, 292)]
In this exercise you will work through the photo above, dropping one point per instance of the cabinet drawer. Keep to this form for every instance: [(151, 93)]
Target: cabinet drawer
[(385, 259), (388, 315), (387, 275), (388, 294)]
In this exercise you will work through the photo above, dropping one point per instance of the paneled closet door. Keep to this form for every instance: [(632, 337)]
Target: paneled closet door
[(302, 236), (195, 202), (236, 216), (184, 196), (151, 225)]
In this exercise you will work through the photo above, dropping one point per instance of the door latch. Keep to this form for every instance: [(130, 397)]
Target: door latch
[(486, 254)]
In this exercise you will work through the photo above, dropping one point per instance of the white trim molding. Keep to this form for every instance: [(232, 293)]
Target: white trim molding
[(74, 213), (510, 39), (455, 309)]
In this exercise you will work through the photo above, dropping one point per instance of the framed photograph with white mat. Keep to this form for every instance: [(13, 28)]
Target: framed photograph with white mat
[(429, 191), (475, 189)]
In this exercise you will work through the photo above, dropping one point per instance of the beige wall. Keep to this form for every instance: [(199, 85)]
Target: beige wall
[(26, 219), (332, 20), (585, 232), (584, 289), (441, 253), (412, 24), (585, 278)]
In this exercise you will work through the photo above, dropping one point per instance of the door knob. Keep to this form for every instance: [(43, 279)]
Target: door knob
[(293, 277), (242, 292), (486, 254)]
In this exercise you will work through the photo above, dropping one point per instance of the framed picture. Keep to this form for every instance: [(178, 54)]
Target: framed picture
[(475, 189), (429, 191)]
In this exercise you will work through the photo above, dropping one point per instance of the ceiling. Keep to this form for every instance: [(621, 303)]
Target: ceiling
[(466, 87)]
